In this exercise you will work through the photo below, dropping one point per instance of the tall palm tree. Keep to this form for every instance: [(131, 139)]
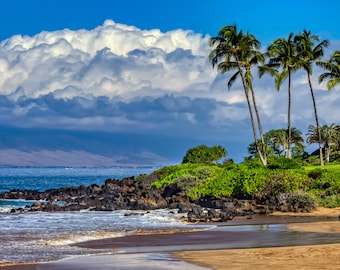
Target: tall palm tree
[(252, 59), (234, 50), (308, 53), (282, 53), (329, 137), (333, 70)]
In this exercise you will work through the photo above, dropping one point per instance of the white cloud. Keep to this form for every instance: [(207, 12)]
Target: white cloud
[(112, 60)]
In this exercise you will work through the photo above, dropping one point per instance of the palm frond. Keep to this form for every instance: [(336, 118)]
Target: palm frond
[(266, 69), (333, 83), (233, 79), (280, 77)]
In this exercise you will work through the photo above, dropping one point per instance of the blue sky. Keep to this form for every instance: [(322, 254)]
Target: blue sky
[(140, 67), (265, 19)]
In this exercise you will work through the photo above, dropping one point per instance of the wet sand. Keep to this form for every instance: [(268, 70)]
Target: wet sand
[(210, 248)]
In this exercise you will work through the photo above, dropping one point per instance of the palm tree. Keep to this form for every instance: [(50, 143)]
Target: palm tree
[(234, 50), (280, 139), (333, 70), (282, 53), (329, 137), (252, 150), (308, 53)]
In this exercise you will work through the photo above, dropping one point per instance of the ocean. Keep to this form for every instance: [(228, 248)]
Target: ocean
[(41, 237), (33, 178)]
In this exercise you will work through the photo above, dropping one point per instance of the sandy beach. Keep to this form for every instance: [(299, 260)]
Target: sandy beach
[(209, 249), (283, 258), (316, 257)]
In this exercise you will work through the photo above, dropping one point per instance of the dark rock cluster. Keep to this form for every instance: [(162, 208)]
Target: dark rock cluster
[(130, 194)]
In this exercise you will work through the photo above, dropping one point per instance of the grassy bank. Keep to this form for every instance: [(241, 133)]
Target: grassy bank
[(310, 184)]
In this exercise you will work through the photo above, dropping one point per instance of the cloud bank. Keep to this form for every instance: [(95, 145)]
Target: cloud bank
[(120, 78)]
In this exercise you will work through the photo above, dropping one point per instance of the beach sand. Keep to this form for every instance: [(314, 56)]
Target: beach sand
[(281, 258), (205, 250), (311, 257)]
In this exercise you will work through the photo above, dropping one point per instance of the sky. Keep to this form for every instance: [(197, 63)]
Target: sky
[(141, 67)]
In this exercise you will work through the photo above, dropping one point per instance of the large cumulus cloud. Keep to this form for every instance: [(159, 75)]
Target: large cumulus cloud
[(110, 60)]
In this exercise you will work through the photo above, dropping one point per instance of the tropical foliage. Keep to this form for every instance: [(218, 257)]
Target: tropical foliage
[(282, 176), (276, 141), (332, 66), (239, 181), (329, 137)]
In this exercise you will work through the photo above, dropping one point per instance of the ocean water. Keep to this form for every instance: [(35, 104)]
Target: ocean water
[(48, 178), (40, 237)]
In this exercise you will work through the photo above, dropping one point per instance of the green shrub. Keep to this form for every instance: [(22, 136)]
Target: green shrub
[(282, 163), (169, 174), (249, 181), (203, 154), (328, 180), (252, 163), (315, 174), (331, 201), (302, 200)]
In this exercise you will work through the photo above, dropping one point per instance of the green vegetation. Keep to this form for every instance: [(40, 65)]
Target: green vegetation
[(238, 180), (297, 181), (244, 182)]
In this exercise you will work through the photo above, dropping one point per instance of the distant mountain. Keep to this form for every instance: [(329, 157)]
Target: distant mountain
[(47, 147)]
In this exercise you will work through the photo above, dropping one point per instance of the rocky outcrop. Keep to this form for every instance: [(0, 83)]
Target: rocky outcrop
[(131, 194)]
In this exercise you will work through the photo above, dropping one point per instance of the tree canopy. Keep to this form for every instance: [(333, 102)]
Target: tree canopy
[(203, 154)]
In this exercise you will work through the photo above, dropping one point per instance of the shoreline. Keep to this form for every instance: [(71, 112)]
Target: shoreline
[(323, 220)]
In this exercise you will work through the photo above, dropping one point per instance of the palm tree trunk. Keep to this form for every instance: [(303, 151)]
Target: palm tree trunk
[(263, 161), (263, 150), (289, 152), (316, 120), (327, 153)]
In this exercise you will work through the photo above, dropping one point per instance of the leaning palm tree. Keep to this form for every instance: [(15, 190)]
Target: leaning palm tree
[(234, 50), (333, 70), (329, 137), (307, 53), (282, 53)]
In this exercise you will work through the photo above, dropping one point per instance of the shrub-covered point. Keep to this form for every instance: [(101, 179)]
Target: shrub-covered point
[(239, 181), (200, 175)]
